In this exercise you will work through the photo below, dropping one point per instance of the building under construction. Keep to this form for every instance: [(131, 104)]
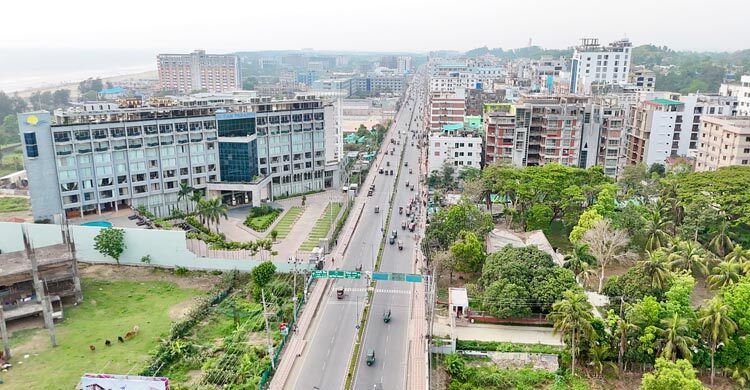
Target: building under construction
[(35, 281)]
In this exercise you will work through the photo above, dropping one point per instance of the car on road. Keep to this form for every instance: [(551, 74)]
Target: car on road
[(394, 233), (380, 170), (400, 209), (391, 240), (400, 245), (377, 209), (370, 356), (406, 163), (340, 293), (410, 171)]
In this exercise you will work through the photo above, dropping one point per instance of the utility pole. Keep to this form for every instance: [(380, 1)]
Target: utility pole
[(268, 331)]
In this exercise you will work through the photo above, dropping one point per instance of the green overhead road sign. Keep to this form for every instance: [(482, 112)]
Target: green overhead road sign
[(396, 277)]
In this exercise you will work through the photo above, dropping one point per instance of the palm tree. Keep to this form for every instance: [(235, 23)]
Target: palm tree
[(669, 194), (741, 256), (607, 245), (716, 326), (184, 193), (599, 355), (211, 210), (656, 266), (656, 225), (572, 317), (579, 260), (674, 338), (689, 256), (623, 328), (721, 243), (724, 274)]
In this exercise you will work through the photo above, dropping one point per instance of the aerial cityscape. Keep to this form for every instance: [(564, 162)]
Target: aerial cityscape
[(401, 195)]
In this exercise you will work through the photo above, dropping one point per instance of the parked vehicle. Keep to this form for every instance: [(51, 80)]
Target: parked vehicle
[(412, 226), (406, 163), (391, 172), (380, 170), (407, 183)]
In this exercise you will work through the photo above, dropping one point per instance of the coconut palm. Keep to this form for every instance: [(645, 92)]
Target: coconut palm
[(674, 338), (579, 260), (655, 265), (572, 317), (623, 329), (724, 274), (741, 256), (721, 243), (689, 256), (599, 355), (607, 245), (657, 224), (716, 326), (185, 193), (211, 210)]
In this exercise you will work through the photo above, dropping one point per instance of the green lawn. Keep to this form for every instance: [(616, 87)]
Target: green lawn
[(261, 223), (8, 204), (110, 309), (321, 228), (284, 226)]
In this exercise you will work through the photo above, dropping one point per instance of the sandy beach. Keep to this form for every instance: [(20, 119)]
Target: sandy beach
[(73, 87)]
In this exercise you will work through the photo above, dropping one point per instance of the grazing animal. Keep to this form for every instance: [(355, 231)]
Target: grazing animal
[(129, 335), (120, 339), (107, 343), (92, 348)]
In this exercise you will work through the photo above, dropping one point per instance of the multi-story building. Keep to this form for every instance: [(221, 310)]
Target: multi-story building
[(741, 91), (725, 141), (377, 83), (653, 125), (446, 108), (467, 74), (95, 159), (476, 99), (604, 125), (644, 79), (403, 64), (198, 71), (457, 145), (593, 63), (546, 129)]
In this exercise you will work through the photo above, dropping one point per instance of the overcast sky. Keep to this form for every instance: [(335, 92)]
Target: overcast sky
[(383, 25)]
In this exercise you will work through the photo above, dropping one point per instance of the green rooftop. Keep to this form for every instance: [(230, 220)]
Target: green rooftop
[(666, 102)]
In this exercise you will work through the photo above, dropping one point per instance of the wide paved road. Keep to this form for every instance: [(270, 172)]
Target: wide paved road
[(326, 357), (390, 340)]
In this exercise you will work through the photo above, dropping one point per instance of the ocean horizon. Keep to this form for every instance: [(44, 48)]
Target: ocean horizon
[(23, 69)]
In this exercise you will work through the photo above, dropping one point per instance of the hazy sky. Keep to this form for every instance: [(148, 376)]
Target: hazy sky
[(393, 25)]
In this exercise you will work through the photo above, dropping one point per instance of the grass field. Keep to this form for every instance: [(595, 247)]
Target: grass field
[(11, 204), (261, 223), (110, 309), (284, 226), (321, 228)]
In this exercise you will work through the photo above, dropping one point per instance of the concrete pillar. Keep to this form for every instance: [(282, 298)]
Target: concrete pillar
[(4, 334)]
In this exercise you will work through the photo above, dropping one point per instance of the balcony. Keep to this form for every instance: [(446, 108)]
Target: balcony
[(120, 147), (167, 142), (101, 135), (135, 146), (182, 141), (83, 137)]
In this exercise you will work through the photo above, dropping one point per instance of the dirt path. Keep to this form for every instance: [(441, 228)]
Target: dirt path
[(201, 281)]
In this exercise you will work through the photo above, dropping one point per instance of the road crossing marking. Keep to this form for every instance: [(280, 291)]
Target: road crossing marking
[(381, 290)]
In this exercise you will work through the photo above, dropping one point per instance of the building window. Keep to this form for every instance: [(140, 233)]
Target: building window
[(31, 147)]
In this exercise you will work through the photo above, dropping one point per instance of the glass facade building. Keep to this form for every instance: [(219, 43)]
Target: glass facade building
[(238, 161)]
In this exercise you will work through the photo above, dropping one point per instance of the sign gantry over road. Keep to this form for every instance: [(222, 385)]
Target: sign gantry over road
[(392, 276)]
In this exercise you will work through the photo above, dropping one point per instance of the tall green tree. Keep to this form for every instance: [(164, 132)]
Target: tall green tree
[(571, 317), (263, 273), (469, 252), (212, 210), (724, 274), (721, 243), (716, 327), (579, 260)]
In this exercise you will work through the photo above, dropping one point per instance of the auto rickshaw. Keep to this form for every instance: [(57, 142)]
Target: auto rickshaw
[(400, 209), (377, 209), (403, 225), (387, 316), (370, 356), (400, 245), (340, 293)]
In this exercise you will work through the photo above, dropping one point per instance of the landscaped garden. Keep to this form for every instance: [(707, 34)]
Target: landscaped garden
[(260, 218), (109, 310), (285, 224), (322, 227)]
